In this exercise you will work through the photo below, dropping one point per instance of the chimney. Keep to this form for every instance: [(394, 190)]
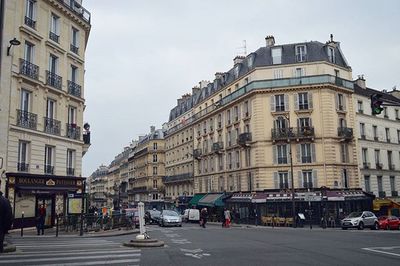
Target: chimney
[(203, 83), (195, 90), (361, 81), (270, 41), (238, 59), (179, 101), (218, 75), (152, 129)]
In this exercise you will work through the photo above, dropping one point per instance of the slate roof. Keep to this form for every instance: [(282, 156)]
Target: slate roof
[(367, 92), (316, 51)]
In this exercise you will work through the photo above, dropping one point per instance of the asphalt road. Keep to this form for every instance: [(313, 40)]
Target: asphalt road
[(214, 245)]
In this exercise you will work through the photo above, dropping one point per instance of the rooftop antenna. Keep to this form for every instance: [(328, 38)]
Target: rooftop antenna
[(243, 48), (331, 37)]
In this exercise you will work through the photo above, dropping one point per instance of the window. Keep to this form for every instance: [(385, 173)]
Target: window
[(392, 183), (54, 28), (375, 132), (72, 116), (154, 158), (250, 61), (50, 108), (29, 52), (307, 179), (155, 146), (221, 184), (74, 73), (278, 73), (306, 154), (299, 72), (250, 182), (237, 157), (247, 155), (236, 113), (283, 180), (396, 112), (380, 184), (246, 109), (25, 100), (342, 123), (30, 13), (53, 64), (360, 107), (385, 112), (70, 162), (365, 155), (23, 156), (301, 53), (390, 160), (367, 183), (280, 102), (303, 100), (154, 186), (154, 170), (238, 182), (340, 101), (344, 153), (48, 160), (398, 136), (304, 124), (236, 71), (74, 40), (362, 130), (220, 162), (276, 55), (387, 133), (331, 55), (282, 153), (377, 156), (345, 179), (229, 160), (228, 116), (219, 121)]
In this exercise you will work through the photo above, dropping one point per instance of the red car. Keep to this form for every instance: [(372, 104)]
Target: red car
[(389, 222)]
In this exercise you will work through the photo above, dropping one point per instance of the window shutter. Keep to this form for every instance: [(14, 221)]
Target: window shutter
[(344, 102), (315, 178), (298, 150), (275, 153), (276, 185), (299, 179), (296, 101), (310, 100), (337, 101), (287, 152), (313, 155), (310, 121), (290, 179), (273, 103), (298, 123), (303, 71), (286, 97)]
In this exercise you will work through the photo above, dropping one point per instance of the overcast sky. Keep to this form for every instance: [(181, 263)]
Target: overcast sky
[(143, 55)]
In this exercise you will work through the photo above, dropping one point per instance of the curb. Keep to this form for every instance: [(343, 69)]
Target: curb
[(8, 248), (145, 243), (111, 234)]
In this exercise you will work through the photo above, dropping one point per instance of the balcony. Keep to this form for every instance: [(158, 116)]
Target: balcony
[(48, 169), (197, 154), (77, 9), (308, 185), (70, 171), (30, 22), (52, 126), (23, 167), (28, 69), (26, 119), (74, 48), (74, 89), (382, 194), (218, 147), (178, 178), (395, 193), (345, 133), (379, 166), (244, 138), (54, 37), (366, 165), (73, 131), (54, 80), (282, 134)]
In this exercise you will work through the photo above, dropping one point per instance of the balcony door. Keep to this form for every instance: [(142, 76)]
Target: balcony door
[(53, 64), (28, 52), (25, 100), (50, 109), (72, 115)]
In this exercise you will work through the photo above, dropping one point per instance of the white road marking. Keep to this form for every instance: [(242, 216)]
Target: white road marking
[(67, 253), (108, 262), (180, 241), (191, 251), (172, 235), (376, 249)]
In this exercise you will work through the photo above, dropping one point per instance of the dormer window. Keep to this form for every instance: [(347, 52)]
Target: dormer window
[(301, 53), (276, 54), (236, 71), (250, 61), (331, 55)]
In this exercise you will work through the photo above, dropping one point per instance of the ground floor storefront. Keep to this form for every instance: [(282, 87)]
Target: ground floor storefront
[(58, 194)]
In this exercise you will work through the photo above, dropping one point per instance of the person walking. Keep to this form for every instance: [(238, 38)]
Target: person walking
[(41, 215), (204, 216), (227, 215), (5, 219)]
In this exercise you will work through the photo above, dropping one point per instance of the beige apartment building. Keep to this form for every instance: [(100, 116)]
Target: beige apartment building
[(279, 100), (97, 188), (149, 168), (43, 137)]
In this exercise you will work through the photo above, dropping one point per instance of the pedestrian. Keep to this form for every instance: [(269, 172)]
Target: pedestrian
[(227, 215), (41, 215), (203, 215), (5, 219)]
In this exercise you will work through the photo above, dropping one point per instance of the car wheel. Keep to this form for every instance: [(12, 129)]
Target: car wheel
[(180, 225), (361, 226), (375, 226), (344, 228), (387, 227)]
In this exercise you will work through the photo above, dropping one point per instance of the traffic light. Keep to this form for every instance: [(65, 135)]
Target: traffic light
[(376, 104)]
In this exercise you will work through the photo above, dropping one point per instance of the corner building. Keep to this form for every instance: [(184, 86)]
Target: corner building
[(43, 137), (280, 98)]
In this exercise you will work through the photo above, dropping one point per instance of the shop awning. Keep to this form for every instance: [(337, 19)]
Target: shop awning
[(212, 200), (259, 198), (241, 197), (195, 200)]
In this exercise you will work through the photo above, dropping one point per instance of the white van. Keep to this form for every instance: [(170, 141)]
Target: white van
[(191, 215)]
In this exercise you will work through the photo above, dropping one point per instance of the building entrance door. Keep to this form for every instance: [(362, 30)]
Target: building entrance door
[(48, 203)]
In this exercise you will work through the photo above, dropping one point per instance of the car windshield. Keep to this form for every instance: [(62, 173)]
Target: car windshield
[(382, 218), (354, 214), (170, 213), (154, 213)]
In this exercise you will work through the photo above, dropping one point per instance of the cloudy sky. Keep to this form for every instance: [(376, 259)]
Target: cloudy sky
[(143, 55)]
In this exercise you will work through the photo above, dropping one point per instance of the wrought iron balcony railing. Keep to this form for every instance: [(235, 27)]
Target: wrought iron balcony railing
[(53, 80), (26, 119), (74, 89), (395, 193), (382, 194), (74, 48), (70, 171), (54, 37), (282, 160), (77, 9), (52, 126), (73, 131), (30, 22), (244, 138), (197, 153), (28, 69), (23, 167), (48, 169), (293, 133), (345, 133), (217, 146), (178, 178)]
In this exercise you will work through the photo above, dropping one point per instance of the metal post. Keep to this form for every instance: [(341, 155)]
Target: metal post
[(291, 173), (22, 224), (57, 225), (82, 207), (309, 209), (142, 228)]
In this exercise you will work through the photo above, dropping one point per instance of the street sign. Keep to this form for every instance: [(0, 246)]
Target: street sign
[(310, 196)]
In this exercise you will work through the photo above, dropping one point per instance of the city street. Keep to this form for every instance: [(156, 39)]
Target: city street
[(214, 245)]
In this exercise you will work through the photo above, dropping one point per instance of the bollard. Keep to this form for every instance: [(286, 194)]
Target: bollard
[(22, 224), (56, 225)]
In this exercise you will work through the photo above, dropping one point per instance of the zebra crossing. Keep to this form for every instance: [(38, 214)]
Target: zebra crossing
[(69, 251)]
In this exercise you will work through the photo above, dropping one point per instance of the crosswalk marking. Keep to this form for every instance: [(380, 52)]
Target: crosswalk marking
[(40, 254), (93, 263), (74, 258)]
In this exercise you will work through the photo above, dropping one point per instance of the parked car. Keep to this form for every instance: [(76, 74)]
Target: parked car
[(389, 222), (169, 217), (133, 215), (152, 217), (360, 220), (191, 215)]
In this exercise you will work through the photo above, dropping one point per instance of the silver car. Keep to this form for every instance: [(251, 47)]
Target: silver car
[(169, 217), (360, 220)]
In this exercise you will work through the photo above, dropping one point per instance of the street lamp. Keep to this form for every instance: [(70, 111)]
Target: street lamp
[(12, 42), (287, 116)]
